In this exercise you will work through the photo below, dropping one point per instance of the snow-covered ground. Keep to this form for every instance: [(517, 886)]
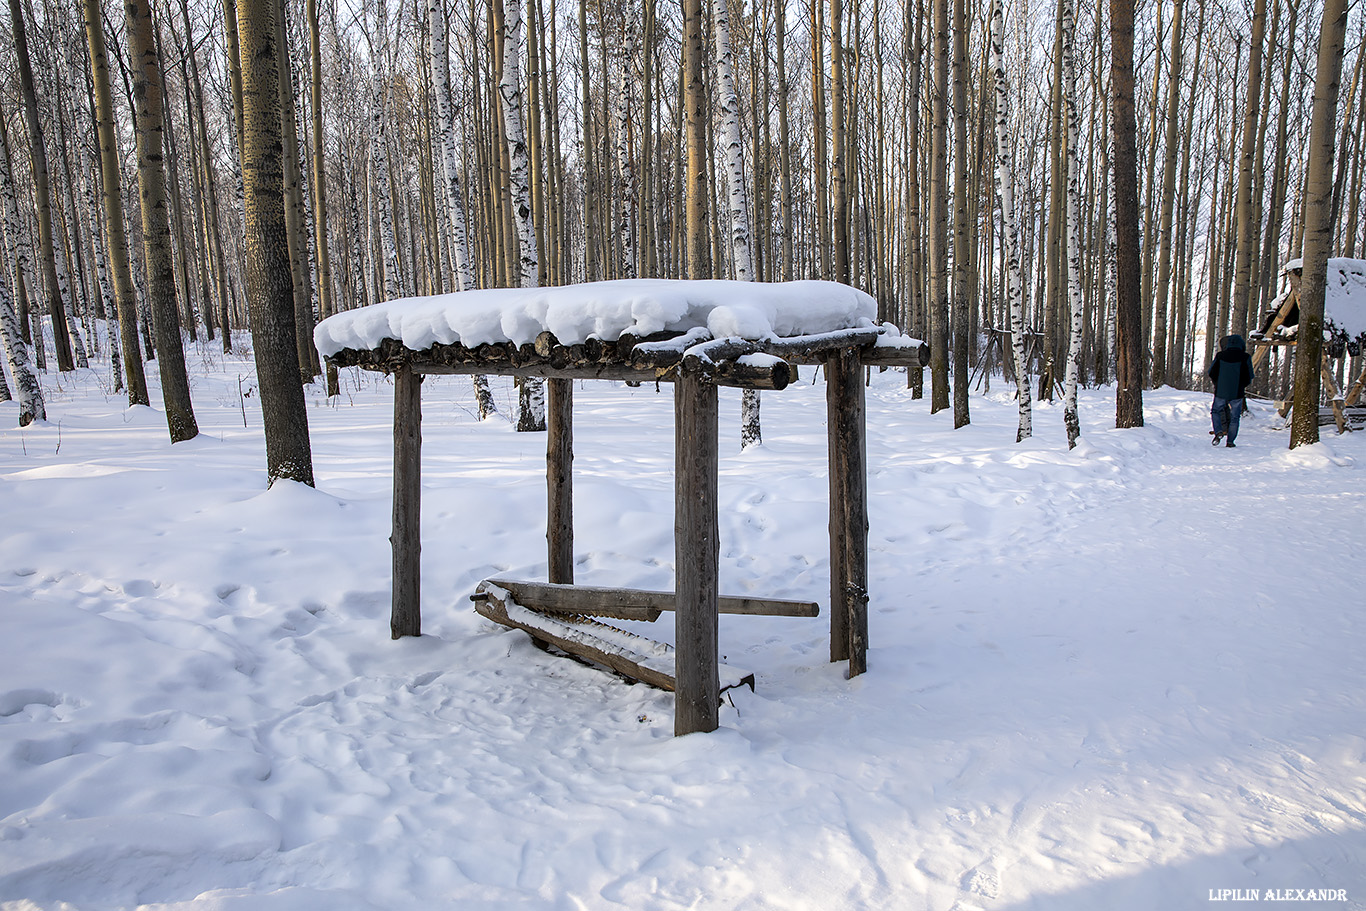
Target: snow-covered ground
[(1125, 678)]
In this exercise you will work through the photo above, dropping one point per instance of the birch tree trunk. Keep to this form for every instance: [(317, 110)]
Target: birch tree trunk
[(1005, 188), (29, 329), (295, 227), (626, 204), (156, 229), (379, 158), (47, 251), (326, 303), (450, 167), (30, 393), (1069, 90), (728, 108), (1318, 225), (531, 391), (839, 163)]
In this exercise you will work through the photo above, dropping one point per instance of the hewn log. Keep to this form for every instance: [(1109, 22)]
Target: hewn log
[(559, 459), (848, 510), (406, 613), (916, 356), (640, 603), (696, 550), (632, 656)]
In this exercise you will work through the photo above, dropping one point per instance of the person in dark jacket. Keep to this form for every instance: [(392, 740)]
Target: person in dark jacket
[(1230, 373)]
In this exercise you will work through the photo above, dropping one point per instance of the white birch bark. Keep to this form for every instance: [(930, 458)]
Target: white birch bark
[(450, 171), (109, 309), (531, 391), (1069, 88), (19, 244), (733, 147), (446, 114), (30, 394), (73, 325), (626, 228), (1005, 187), (379, 159)]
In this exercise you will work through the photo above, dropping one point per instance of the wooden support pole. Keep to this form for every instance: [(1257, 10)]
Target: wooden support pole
[(696, 551), (406, 613), (559, 463), (848, 510), (1334, 397)]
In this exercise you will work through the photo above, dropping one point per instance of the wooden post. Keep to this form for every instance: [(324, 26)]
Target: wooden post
[(696, 533), (559, 462), (406, 614), (848, 510)]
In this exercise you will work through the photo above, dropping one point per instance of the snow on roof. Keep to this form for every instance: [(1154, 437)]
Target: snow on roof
[(1344, 296), (602, 310)]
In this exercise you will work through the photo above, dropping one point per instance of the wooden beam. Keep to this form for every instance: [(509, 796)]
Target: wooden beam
[(1334, 397), (696, 551), (1263, 348), (559, 459), (641, 604), (406, 611), (626, 653), (848, 510)]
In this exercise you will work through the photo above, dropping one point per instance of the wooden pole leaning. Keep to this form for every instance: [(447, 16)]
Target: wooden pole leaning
[(696, 551), (406, 614), (559, 457), (848, 509)]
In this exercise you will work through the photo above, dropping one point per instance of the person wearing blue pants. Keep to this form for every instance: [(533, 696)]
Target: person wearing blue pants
[(1230, 372)]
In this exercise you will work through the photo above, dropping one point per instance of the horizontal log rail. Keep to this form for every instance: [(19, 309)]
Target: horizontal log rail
[(630, 655), (631, 603)]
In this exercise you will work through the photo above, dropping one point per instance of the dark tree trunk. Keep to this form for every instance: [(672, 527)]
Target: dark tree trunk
[(270, 286)]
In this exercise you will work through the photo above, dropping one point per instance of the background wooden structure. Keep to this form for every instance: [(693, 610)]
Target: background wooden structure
[(1342, 409)]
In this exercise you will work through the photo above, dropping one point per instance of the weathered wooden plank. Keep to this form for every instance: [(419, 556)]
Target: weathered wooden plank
[(626, 653), (643, 604), (696, 551), (848, 510), (576, 637), (406, 540), (559, 459)]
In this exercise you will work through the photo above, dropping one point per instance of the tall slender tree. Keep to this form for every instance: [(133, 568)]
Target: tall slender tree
[(531, 391), (1128, 279), (1005, 188), (156, 228), (111, 183), (1318, 225), (1074, 298), (270, 287), (47, 251)]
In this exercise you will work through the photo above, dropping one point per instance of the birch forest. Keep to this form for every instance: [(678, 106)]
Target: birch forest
[(921, 150)]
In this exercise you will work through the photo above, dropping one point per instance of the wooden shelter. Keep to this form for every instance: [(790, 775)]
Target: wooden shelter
[(691, 352), (1344, 335)]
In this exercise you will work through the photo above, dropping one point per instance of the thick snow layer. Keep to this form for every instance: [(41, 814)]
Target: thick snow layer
[(1344, 294), (1121, 678), (602, 310)]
